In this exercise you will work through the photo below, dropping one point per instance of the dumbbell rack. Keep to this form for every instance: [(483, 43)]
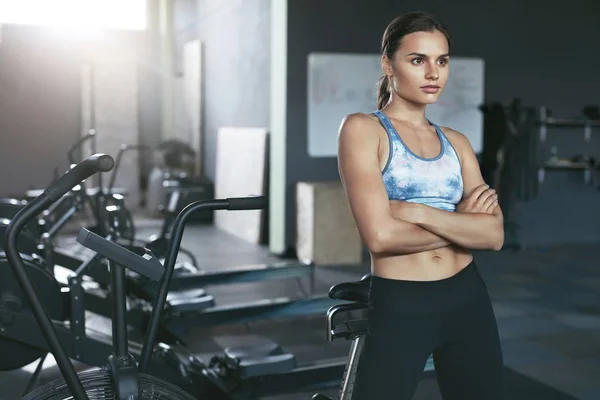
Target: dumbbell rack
[(544, 123)]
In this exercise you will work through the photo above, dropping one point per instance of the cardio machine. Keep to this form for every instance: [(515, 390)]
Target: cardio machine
[(357, 296), (122, 378), (188, 303), (240, 373), (189, 277)]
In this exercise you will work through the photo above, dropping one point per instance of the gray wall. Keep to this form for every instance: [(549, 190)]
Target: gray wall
[(236, 69), (150, 92), (40, 87), (185, 28), (532, 51), (39, 106), (40, 99)]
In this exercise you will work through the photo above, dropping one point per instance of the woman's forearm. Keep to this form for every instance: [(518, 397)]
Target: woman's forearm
[(402, 237), (421, 239), (469, 230)]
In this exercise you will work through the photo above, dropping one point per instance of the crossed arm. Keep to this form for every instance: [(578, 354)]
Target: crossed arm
[(406, 228), (476, 224), (473, 229)]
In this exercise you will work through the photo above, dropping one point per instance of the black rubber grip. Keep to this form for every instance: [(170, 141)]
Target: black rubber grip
[(247, 203), (146, 264), (79, 173)]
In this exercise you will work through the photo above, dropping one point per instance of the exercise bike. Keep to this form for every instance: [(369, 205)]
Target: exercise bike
[(189, 304), (122, 377), (357, 294), (9, 207)]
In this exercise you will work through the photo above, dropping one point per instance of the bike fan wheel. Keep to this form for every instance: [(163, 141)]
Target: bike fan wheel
[(98, 386)]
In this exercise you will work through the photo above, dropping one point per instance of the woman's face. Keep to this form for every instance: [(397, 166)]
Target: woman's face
[(419, 70)]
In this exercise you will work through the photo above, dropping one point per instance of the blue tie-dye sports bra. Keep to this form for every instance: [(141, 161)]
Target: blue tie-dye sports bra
[(436, 182)]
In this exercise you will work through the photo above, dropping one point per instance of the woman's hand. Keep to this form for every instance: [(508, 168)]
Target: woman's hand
[(407, 211), (482, 199)]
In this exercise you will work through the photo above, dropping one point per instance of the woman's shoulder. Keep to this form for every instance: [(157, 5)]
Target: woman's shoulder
[(458, 139), (361, 124), (360, 118)]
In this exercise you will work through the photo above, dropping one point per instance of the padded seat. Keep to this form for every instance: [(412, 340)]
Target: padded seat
[(191, 304), (357, 292), (181, 295), (265, 359), (266, 349)]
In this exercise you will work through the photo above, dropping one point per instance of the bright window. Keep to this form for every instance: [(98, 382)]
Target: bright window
[(86, 14)]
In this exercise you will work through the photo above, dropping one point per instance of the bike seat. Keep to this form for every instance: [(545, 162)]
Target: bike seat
[(188, 294), (261, 360), (357, 292), (262, 350)]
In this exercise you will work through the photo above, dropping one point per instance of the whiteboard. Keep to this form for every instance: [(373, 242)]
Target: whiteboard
[(342, 84)]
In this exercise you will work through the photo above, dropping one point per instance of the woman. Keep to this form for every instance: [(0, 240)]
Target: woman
[(420, 203)]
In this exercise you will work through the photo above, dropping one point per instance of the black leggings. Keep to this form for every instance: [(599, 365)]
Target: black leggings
[(450, 318)]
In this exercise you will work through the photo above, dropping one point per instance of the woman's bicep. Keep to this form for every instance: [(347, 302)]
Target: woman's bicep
[(358, 165)]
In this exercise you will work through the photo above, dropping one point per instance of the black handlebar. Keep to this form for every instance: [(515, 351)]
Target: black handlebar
[(247, 203), (82, 171), (236, 203), (146, 265), (149, 266)]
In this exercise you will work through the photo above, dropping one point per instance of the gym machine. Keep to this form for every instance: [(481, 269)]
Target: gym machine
[(184, 305), (244, 372), (9, 207), (120, 378), (357, 293), (240, 373), (356, 296), (189, 277), (189, 304), (61, 211)]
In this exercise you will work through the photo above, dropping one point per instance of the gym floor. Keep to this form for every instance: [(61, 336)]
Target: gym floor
[(546, 301)]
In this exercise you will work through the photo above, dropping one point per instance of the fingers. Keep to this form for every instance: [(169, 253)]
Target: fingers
[(490, 204), (484, 197), (469, 203), (478, 191), (493, 207)]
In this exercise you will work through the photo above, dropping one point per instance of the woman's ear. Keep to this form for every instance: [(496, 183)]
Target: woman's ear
[(386, 66)]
